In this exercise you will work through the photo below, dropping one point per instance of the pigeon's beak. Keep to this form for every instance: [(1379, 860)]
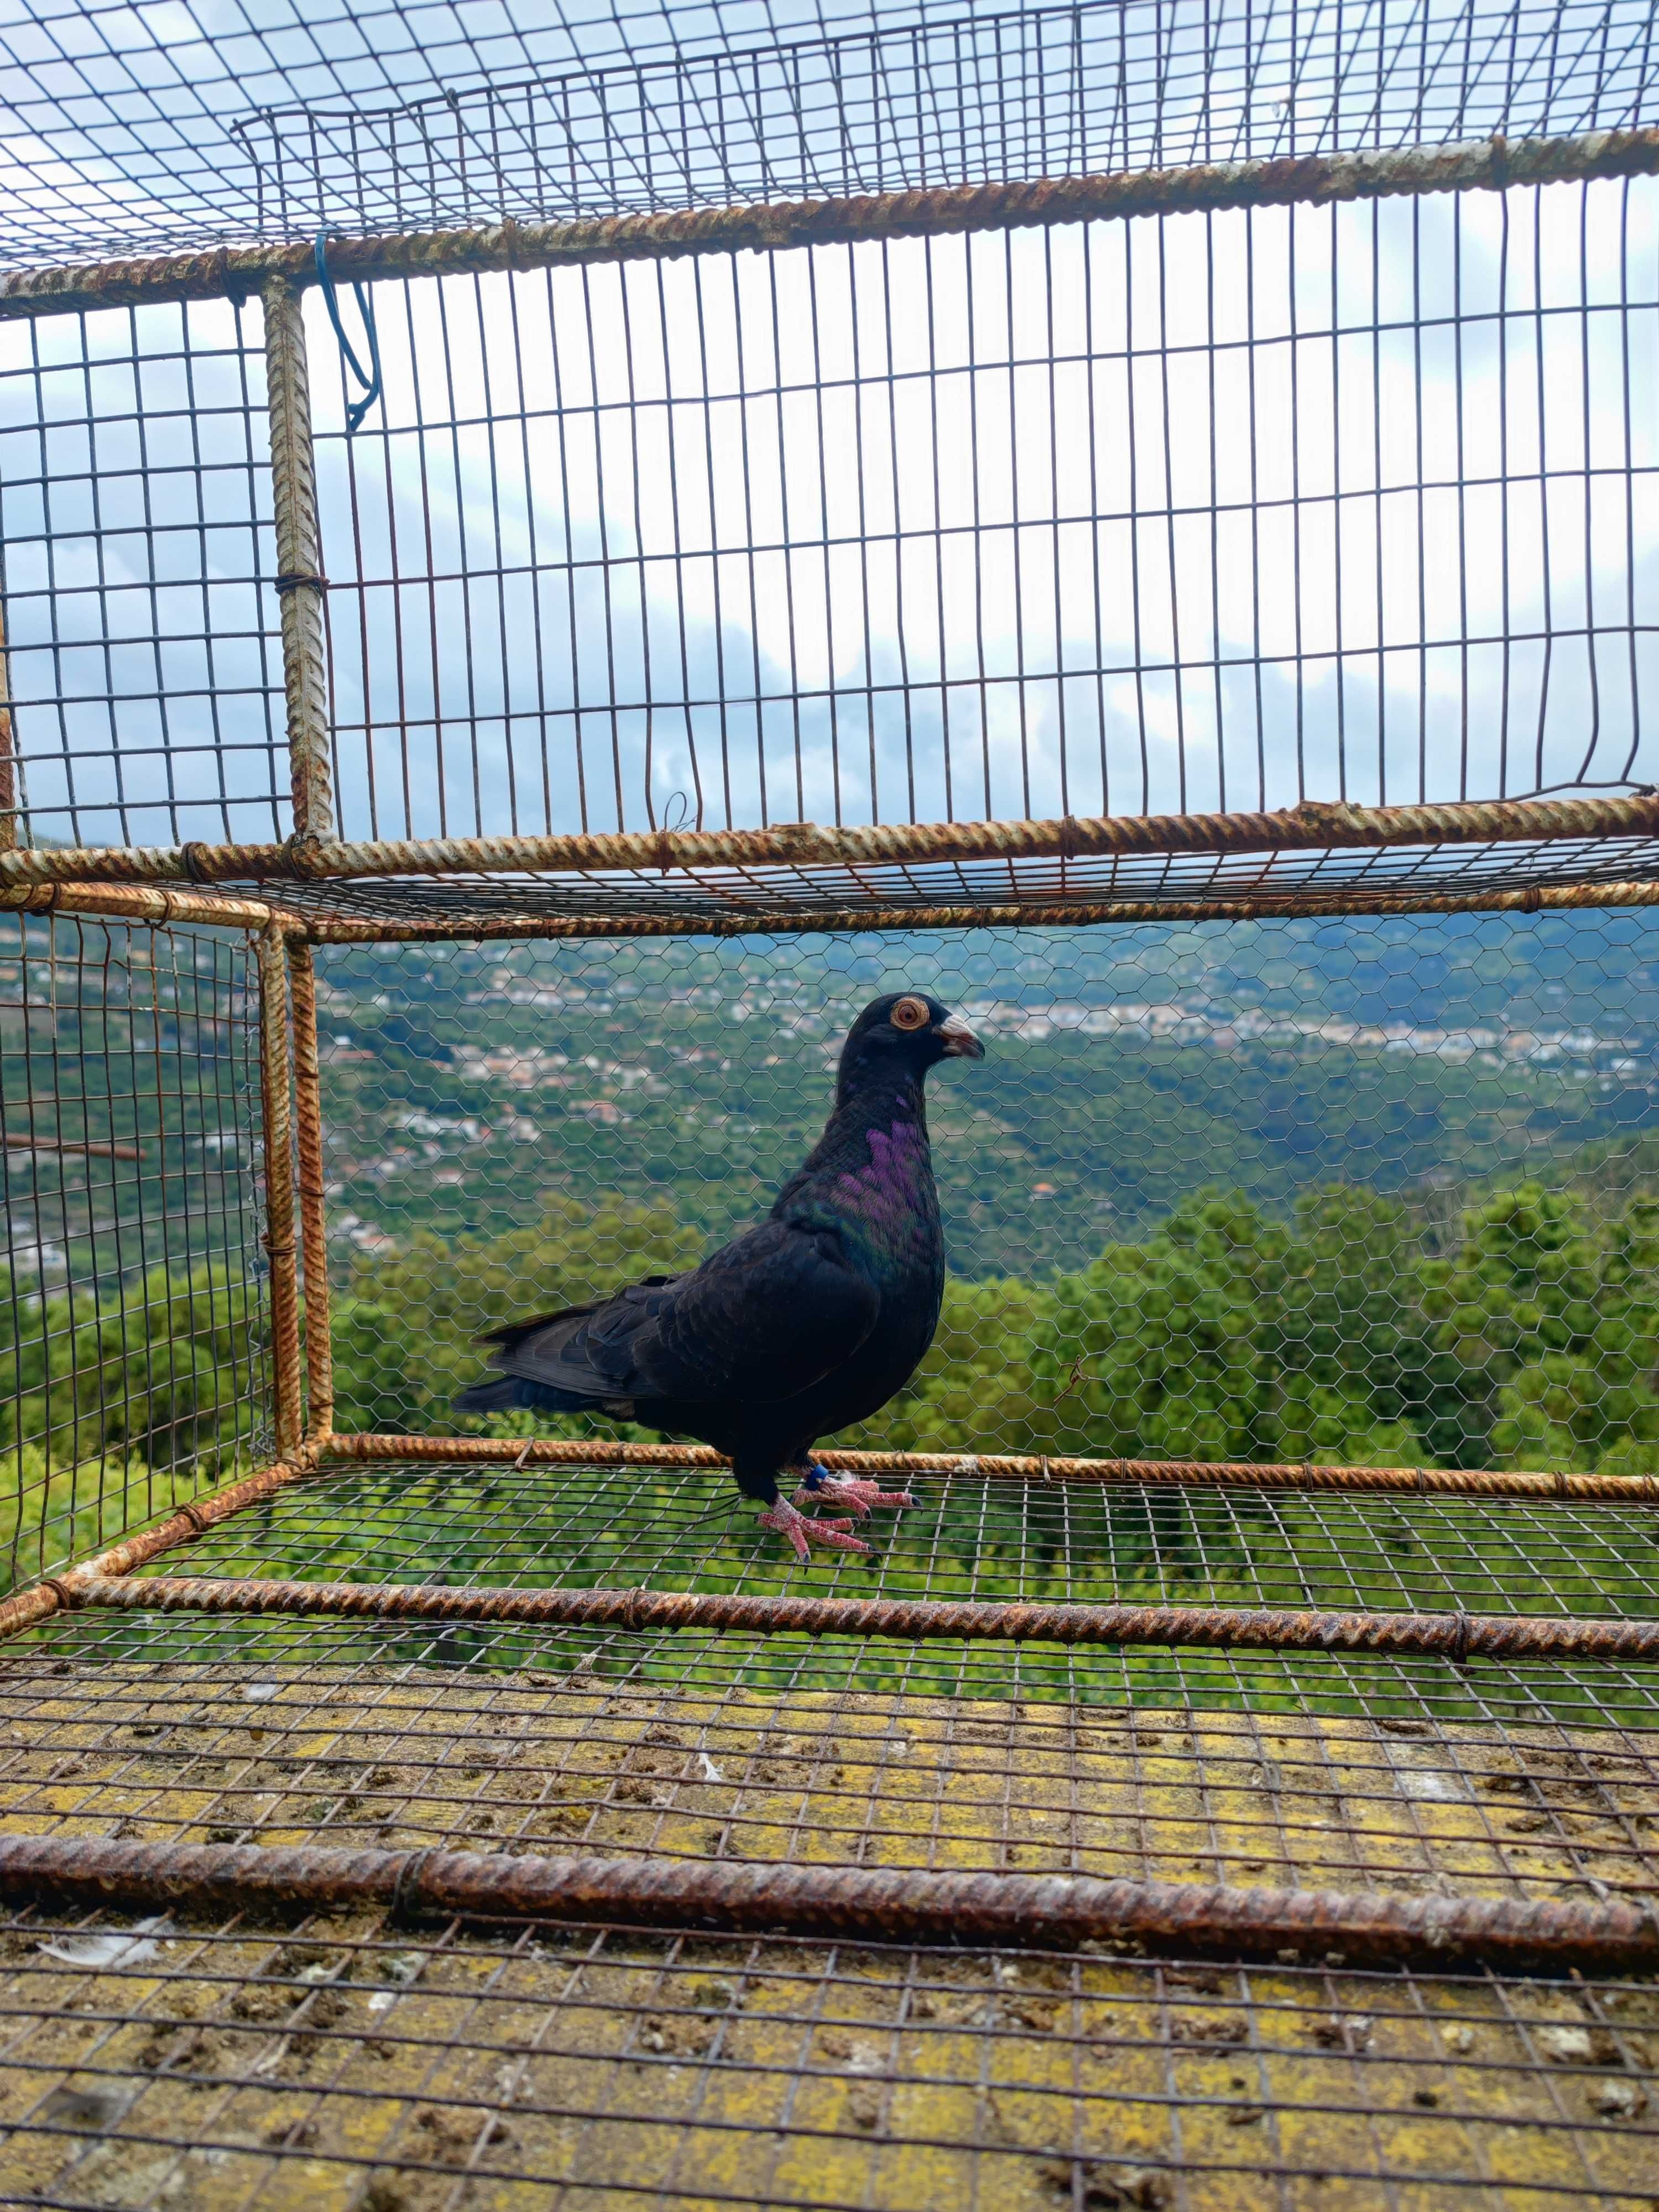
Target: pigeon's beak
[(958, 1040)]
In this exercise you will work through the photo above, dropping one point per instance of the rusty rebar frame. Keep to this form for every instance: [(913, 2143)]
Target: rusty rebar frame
[(893, 1904), (1459, 1636), (146, 903), (299, 580), (1485, 164), (917, 1905), (1315, 826), (276, 1100), (1070, 914), (26, 1609), (314, 1227), (1028, 1467)]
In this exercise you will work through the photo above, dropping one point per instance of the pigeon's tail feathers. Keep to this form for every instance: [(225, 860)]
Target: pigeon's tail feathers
[(513, 1393), (577, 1361), (514, 1333)]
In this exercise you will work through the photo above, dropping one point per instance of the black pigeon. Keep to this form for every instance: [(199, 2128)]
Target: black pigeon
[(803, 1325)]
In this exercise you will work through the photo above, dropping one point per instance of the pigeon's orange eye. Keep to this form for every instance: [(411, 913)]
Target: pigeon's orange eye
[(909, 1014)]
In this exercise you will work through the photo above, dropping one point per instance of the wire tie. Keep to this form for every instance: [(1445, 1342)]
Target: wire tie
[(404, 1899), (524, 1455), (193, 858), (632, 1616), (63, 1591), (299, 580), (192, 1514), (278, 1251), (1461, 1650), (369, 378), (1561, 1489)]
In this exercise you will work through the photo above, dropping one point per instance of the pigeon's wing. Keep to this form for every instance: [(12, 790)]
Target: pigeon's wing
[(771, 1314), (585, 1349), (760, 1320)]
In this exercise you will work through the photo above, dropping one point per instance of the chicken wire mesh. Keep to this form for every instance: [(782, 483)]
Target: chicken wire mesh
[(133, 1339), (1217, 513), (1365, 1189), (374, 2058), (953, 98)]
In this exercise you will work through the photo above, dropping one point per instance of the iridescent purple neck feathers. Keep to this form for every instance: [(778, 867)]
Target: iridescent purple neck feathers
[(897, 1171)]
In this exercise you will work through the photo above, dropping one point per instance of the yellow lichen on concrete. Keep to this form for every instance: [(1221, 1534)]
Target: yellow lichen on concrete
[(348, 2056), (349, 2063), (561, 1762)]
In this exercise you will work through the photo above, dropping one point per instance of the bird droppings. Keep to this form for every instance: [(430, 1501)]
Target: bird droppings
[(607, 2063), (1567, 2046), (555, 1762), (114, 1946), (96, 2110), (1619, 2101)]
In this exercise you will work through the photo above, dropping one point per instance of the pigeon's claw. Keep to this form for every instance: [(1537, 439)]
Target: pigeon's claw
[(854, 1498), (823, 1488), (802, 1533)]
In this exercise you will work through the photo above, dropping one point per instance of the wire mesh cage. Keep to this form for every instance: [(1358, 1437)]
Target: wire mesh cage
[(1326, 488), (145, 672), (1218, 514), (767, 528), (136, 1323)]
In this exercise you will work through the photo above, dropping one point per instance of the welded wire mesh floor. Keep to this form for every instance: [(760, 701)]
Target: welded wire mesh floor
[(347, 2060), (343, 2063), (966, 1537), (602, 1760), (353, 2060)]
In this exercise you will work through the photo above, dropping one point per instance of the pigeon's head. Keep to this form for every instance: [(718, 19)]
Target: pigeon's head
[(908, 1029)]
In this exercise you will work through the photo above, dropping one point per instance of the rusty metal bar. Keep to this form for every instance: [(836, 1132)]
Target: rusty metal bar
[(276, 1081), (1070, 913), (313, 1228), (19, 1142), (27, 1607), (299, 580), (876, 1904), (1455, 1636), (1225, 1474), (1316, 826), (143, 902), (1484, 164)]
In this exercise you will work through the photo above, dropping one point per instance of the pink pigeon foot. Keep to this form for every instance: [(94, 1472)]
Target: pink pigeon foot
[(823, 1488), (803, 1532)]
